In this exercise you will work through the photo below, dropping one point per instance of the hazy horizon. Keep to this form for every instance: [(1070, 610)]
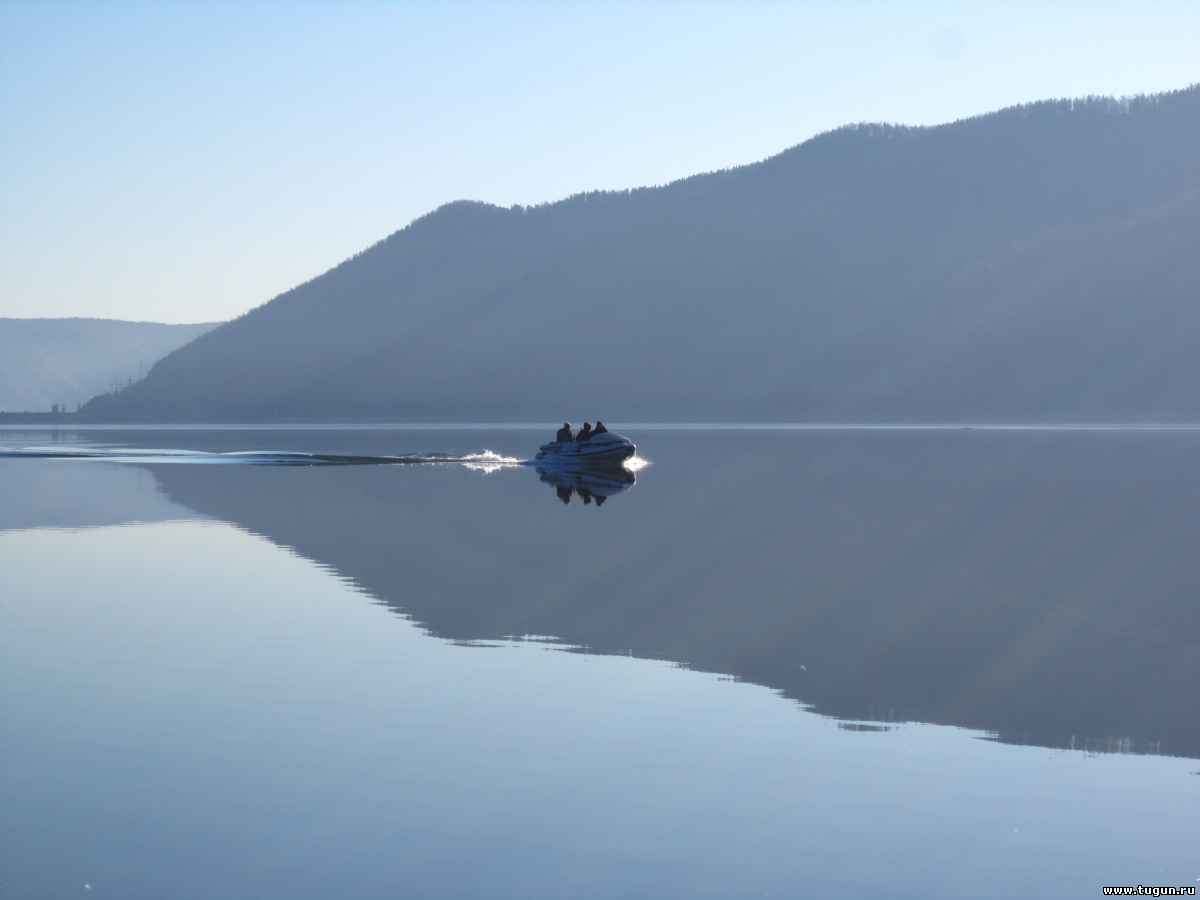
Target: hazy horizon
[(244, 154)]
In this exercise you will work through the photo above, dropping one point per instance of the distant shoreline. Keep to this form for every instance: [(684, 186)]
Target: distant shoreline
[(73, 420), (31, 418)]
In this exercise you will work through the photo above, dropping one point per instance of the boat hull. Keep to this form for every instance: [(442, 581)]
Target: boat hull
[(607, 450)]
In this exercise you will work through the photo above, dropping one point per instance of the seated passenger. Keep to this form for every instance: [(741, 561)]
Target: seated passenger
[(599, 429), (564, 434), (585, 432)]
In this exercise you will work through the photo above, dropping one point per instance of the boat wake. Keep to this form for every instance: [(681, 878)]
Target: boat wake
[(483, 460)]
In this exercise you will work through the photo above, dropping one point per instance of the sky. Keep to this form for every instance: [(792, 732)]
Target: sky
[(185, 162)]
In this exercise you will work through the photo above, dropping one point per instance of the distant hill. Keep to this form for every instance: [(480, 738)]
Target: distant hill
[(1033, 263), (65, 362)]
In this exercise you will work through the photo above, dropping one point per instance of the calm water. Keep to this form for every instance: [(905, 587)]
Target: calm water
[(781, 663)]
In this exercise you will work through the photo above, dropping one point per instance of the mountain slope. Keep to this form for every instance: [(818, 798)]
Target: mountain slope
[(1031, 263), (44, 362)]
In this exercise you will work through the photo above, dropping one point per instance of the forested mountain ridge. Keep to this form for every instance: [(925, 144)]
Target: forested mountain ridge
[(1033, 263), (64, 362)]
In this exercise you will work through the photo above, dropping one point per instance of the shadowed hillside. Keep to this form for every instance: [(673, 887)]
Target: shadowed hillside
[(64, 362), (1034, 263)]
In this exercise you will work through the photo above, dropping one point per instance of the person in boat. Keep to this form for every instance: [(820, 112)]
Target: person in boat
[(564, 433), (585, 433), (599, 429)]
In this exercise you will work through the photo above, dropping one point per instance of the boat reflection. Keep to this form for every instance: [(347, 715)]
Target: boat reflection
[(590, 486)]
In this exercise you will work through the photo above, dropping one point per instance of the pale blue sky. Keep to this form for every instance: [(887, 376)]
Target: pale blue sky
[(186, 162)]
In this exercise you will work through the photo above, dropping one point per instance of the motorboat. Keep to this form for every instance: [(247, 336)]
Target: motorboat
[(606, 450), (590, 485)]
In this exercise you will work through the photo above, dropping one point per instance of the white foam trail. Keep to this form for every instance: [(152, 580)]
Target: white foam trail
[(488, 461), (485, 460)]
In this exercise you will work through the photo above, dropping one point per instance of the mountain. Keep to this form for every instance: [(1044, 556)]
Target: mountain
[(64, 362), (1033, 263)]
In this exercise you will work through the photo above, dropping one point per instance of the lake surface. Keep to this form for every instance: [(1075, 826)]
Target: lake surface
[(909, 662)]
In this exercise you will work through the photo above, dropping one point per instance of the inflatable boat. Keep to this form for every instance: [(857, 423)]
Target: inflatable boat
[(604, 450)]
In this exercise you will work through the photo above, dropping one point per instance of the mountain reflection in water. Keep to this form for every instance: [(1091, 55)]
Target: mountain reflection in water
[(1039, 587), (1034, 586)]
